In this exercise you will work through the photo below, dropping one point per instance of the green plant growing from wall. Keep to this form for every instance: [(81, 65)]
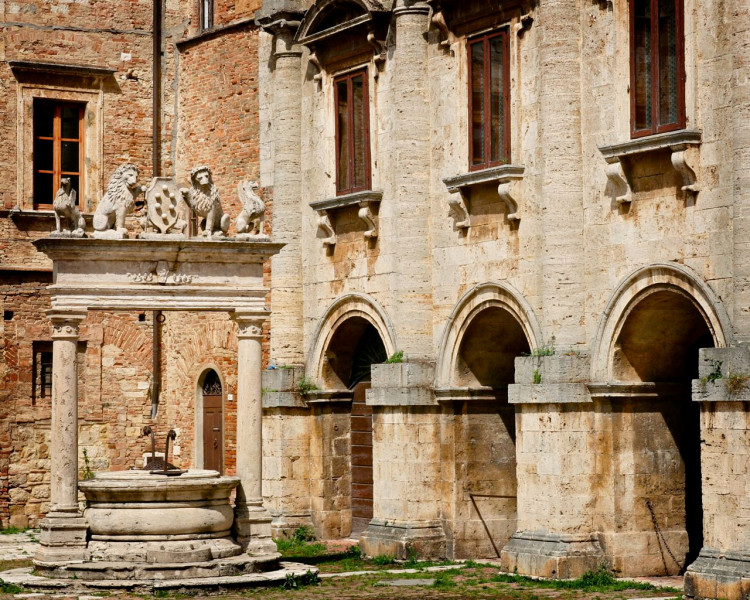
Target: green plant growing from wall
[(396, 357), (87, 472), (537, 376), (737, 383), (547, 350), (305, 386), (715, 374)]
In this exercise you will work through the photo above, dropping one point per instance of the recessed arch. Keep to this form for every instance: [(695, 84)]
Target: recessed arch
[(349, 316), (654, 284), (206, 374), (495, 305), (325, 15)]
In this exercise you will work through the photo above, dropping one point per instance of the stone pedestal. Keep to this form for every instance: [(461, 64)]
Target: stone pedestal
[(252, 522), (406, 463), (63, 531), (557, 478), (286, 445), (722, 569)]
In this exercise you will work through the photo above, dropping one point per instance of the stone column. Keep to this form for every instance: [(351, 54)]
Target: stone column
[(252, 522), (287, 344), (410, 185), (63, 531)]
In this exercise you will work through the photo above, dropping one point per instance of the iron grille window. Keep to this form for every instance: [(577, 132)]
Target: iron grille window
[(657, 66), (489, 100), (352, 133), (58, 149), (207, 14), (42, 370)]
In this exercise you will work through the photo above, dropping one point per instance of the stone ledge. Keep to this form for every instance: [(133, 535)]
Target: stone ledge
[(553, 369), (556, 556), (401, 396), (676, 142), (506, 177), (718, 574), (472, 394), (400, 538), (548, 393), (366, 200)]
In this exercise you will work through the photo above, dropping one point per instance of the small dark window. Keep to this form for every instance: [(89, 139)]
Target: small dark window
[(7, 315), (657, 66), (352, 133), (42, 369), (489, 100), (58, 149), (207, 14)]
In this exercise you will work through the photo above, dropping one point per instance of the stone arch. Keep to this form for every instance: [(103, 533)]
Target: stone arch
[(651, 284), (356, 311), (327, 14), (500, 304), (203, 372)]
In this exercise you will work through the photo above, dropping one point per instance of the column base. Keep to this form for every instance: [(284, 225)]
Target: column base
[(552, 555), (284, 524), (252, 530), (402, 539), (716, 574), (62, 538)]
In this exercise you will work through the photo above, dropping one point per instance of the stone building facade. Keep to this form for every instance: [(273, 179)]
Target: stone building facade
[(535, 211), (540, 207)]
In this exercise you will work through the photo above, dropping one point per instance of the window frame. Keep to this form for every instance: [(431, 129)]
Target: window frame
[(41, 350), (57, 140), (656, 127), (205, 15), (484, 37), (349, 76)]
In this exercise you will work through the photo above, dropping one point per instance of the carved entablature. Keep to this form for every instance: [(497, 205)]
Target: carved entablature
[(507, 178), (344, 32), (682, 146), (367, 202)]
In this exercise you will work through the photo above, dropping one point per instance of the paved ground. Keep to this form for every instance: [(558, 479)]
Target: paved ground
[(18, 546)]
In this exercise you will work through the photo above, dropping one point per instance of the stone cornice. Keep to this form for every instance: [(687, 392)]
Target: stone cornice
[(29, 66), (366, 201)]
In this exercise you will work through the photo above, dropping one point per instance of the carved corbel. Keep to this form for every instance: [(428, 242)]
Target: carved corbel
[(380, 51), (438, 20), (458, 204), (508, 191), (523, 25), (313, 60), (616, 176), (365, 214), (325, 225), (687, 173)]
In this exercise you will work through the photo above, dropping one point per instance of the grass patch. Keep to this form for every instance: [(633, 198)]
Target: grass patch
[(591, 581), (13, 530), (10, 588), (384, 559), (7, 565)]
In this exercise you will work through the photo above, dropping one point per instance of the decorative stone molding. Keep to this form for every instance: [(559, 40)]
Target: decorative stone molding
[(508, 179), (65, 325), (675, 142), (524, 24), (161, 272), (365, 200), (250, 324), (162, 216)]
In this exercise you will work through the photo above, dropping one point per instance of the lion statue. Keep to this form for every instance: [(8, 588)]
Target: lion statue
[(119, 201), (250, 220), (68, 219), (203, 199)]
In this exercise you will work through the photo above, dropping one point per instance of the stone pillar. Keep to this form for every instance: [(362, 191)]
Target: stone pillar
[(63, 531), (252, 522), (406, 463), (558, 491), (722, 569), (410, 185), (287, 343)]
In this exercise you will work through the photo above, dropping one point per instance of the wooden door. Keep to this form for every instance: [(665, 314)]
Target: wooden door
[(213, 423), (361, 433)]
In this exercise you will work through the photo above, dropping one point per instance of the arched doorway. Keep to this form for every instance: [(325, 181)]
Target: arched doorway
[(213, 422), (355, 347), (660, 492), (484, 517)]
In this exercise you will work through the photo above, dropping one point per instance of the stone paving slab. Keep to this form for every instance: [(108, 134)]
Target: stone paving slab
[(19, 546), (406, 582), (24, 578)]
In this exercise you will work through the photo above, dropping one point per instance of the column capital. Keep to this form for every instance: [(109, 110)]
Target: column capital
[(65, 324), (405, 7), (250, 323)]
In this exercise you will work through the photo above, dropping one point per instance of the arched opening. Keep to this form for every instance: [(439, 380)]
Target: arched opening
[(658, 341), (212, 439), (490, 344), (485, 432), (355, 346)]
